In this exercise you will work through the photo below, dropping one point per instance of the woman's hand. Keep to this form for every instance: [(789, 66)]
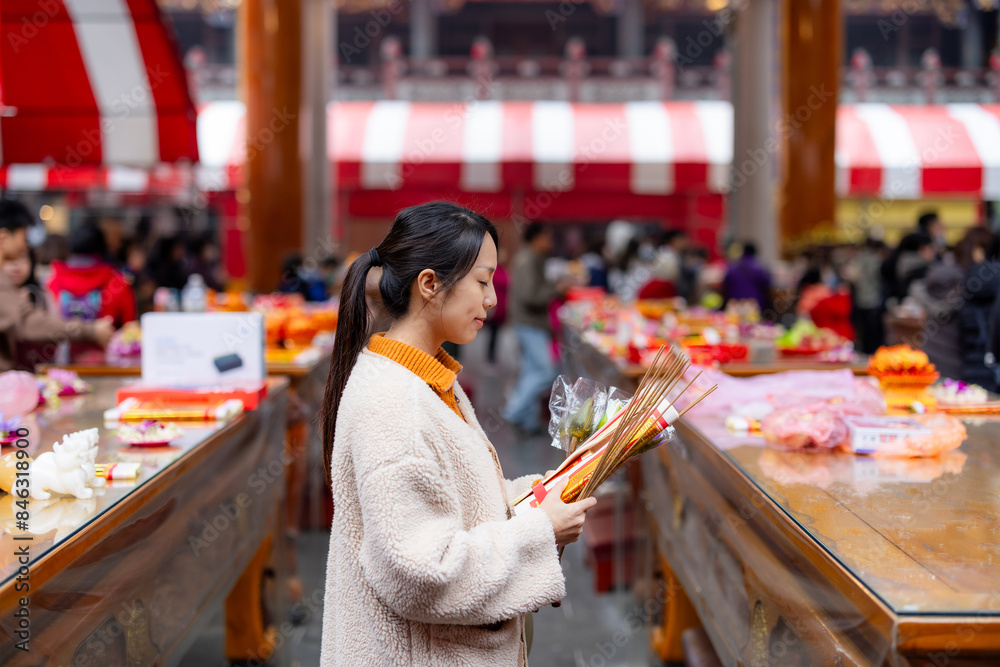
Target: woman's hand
[(567, 518)]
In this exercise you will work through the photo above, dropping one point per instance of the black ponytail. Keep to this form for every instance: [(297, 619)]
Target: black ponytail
[(440, 236)]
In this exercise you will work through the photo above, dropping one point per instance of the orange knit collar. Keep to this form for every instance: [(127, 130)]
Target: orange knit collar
[(438, 371)]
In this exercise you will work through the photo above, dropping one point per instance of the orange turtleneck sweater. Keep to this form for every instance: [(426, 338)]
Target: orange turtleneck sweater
[(439, 371)]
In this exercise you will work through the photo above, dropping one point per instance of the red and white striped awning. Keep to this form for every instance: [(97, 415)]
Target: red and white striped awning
[(640, 148), (650, 148), (912, 152), (646, 148), (894, 152), (222, 145), (167, 179), (91, 82)]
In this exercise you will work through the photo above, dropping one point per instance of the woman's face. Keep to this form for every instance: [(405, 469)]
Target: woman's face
[(18, 268), (463, 309)]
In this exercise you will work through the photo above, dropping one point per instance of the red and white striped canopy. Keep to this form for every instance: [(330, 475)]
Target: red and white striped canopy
[(650, 148), (91, 82), (895, 152), (911, 152), (646, 148), (166, 179), (642, 148)]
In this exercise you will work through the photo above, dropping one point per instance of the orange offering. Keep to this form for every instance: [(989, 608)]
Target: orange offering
[(902, 363), (274, 326), (904, 375), (325, 320), (654, 309), (300, 330)]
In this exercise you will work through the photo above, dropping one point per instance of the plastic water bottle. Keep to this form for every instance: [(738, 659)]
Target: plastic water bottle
[(193, 298)]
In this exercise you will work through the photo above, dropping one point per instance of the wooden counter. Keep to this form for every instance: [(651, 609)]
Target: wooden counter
[(310, 507), (805, 559), (125, 577)]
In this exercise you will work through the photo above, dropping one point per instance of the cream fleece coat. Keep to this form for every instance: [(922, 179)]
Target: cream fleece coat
[(423, 556)]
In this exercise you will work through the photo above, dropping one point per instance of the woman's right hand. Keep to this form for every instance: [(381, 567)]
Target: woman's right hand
[(567, 518)]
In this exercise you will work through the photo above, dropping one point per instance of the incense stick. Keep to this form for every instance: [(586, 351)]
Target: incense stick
[(619, 420), (591, 441), (634, 422), (697, 400), (648, 397), (681, 393)]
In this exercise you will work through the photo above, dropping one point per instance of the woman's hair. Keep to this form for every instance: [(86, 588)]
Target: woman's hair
[(14, 215), (812, 276), (88, 239), (440, 236), (31, 285)]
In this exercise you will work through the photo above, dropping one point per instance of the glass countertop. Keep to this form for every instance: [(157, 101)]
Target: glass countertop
[(53, 521), (922, 534)]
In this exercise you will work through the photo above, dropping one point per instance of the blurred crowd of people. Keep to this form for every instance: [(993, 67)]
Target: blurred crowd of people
[(935, 297), (63, 296), (939, 298), (922, 292), (622, 259)]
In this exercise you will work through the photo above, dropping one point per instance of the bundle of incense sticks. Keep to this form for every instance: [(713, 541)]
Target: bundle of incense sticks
[(629, 433), (133, 409)]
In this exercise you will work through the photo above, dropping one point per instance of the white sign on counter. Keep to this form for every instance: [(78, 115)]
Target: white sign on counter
[(202, 349)]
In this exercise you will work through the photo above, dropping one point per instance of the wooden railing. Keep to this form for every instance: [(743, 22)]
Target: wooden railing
[(604, 79)]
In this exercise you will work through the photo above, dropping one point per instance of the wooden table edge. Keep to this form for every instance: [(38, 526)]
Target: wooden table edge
[(923, 632), (114, 517)]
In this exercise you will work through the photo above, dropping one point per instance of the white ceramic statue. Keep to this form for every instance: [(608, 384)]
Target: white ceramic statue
[(68, 469)]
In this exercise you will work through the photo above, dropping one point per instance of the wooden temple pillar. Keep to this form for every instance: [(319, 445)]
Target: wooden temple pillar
[(284, 54), (786, 59), (812, 54)]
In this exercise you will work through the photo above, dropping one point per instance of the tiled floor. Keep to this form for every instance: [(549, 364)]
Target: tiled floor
[(588, 630)]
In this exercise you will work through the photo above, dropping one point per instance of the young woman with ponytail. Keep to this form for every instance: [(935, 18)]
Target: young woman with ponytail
[(428, 564)]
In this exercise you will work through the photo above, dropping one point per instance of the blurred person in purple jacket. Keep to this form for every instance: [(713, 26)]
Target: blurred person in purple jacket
[(747, 279)]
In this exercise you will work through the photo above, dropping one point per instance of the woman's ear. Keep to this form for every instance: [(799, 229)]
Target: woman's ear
[(427, 284)]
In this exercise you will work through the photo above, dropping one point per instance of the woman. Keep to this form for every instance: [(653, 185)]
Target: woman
[(21, 271), (428, 565), (20, 320)]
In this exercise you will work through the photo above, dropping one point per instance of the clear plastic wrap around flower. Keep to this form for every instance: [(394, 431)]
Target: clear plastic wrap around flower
[(664, 436), (578, 409)]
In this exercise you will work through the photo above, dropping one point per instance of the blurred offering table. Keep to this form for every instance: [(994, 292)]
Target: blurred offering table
[(735, 341), (309, 502), (128, 576), (310, 506), (760, 362), (827, 559)]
